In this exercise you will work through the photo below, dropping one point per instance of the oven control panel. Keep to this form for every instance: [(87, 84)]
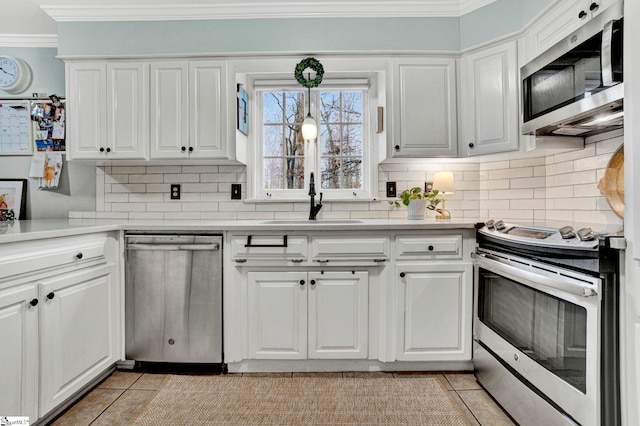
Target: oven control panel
[(565, 237)]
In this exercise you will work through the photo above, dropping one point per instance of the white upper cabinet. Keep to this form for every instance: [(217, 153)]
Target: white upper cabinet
[(424, 108), (489, 100), (108, 113), (559, 21), (188, 117)]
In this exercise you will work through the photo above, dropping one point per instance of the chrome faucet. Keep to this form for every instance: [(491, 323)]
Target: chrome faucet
[(314, 208)]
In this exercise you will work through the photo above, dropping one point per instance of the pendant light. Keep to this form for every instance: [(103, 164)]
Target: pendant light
[(309, 126)]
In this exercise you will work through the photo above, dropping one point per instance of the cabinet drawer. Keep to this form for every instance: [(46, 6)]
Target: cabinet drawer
[(441, 247), (32, 256), (268, 247), (340, 248)]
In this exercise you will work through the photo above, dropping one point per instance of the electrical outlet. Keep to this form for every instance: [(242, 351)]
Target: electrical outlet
[(175, 191), (391, 189), (236, 191), (428, 187)]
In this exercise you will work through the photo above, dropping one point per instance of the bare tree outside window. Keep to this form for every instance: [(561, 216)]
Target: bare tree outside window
[(341, 143), (283, 144)]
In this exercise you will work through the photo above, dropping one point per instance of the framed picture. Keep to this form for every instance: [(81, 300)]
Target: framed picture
[(13, 196), (243, 110)]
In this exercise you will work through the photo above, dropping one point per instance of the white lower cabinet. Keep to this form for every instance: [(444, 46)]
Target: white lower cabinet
[(77, 336), (19, 337), (434, 308), (308, 315)]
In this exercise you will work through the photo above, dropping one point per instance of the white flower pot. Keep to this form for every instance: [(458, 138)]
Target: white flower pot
[(417, 209)]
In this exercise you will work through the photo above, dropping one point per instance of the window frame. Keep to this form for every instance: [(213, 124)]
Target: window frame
[(365, 83)]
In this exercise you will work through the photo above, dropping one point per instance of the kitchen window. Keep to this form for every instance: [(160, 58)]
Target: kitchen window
[(339, 157)]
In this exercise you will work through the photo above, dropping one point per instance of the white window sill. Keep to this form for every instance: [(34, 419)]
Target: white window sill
[(324, 200)]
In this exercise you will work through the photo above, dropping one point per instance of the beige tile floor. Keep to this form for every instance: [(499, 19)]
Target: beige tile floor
[(118, 399)]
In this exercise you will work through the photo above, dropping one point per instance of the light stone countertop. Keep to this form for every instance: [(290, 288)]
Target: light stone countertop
[(24, 230)]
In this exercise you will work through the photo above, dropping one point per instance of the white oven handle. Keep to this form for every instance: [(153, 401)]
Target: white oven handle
[(532, 275)]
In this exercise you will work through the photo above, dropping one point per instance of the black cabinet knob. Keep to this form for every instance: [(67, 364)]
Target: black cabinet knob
[(51, 295), (312, 282), (101, 149), (430, 248), (301, 282), (402, 274), (108, 149), (471, 145), (190, 149), (397, 147), (79, 256), (582, 14), (594, 6), (184, 148), (33, 302)]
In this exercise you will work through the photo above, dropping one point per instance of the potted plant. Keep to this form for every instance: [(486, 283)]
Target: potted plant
[(417, 200)]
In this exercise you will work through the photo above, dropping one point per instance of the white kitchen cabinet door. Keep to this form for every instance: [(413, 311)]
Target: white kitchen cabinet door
[(77, 332), (434, 312), (86, 117), (338, 315), (127, 110), (207, 113), (490, 99), (19, 337), (277, 315), (424, 108), (169, 114)]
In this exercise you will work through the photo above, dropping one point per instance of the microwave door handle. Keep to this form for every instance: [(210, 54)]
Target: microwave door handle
[(605, 55)]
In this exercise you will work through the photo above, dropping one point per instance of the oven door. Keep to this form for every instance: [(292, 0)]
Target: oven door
[(542, 324)]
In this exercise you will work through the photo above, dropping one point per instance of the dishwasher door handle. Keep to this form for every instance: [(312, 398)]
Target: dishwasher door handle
[(174, 247)]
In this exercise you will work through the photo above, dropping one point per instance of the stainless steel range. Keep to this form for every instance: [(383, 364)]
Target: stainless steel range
[(546, 322)]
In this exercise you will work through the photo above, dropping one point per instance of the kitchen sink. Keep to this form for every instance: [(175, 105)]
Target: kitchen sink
[(312, 222)]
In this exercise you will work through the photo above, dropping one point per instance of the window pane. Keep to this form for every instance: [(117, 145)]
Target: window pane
[(294, 143), (273, 176), (330, 107), (352, 107), (330, 173), (295, 173), (272, 140), (352, 173), (273, 107), (330, 139), (294, 106), (352, 139)]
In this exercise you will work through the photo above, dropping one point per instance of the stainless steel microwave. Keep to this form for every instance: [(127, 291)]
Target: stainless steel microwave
[(576, 87)]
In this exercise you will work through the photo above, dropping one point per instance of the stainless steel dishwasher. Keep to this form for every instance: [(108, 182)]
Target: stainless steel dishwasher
[(173, 298)]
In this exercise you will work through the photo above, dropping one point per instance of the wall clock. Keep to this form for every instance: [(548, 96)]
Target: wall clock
[(15, 74)]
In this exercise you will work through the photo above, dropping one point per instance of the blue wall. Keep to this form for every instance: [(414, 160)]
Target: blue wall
[(48, 71)]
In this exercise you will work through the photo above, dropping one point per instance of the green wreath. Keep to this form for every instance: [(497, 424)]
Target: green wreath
[(315, 65)]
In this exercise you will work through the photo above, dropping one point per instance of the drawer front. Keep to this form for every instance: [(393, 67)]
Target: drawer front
[(32, 256), (340, 248), (441, 247), (268, 247)]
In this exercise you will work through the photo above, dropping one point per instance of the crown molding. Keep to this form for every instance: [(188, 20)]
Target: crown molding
[(229, 9), (28, 40)]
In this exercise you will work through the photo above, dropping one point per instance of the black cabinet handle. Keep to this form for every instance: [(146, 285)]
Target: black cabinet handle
[(101, 149), (190, 149), (33, 302), (301, 282), (284, 243), (51, 295), (582, 14), (594, 6), (402, 274), (471, 145), (397, 147), (79, 256), (312, 282), (430, 248), (184, 148), (108, 149)]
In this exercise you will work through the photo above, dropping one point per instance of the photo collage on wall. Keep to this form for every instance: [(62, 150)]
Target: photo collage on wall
[(48, 120)]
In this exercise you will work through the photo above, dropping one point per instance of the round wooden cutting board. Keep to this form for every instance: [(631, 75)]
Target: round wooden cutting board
[(612, 183)]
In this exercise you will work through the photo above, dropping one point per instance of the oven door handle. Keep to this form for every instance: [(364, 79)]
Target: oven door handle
[(535, 280)]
